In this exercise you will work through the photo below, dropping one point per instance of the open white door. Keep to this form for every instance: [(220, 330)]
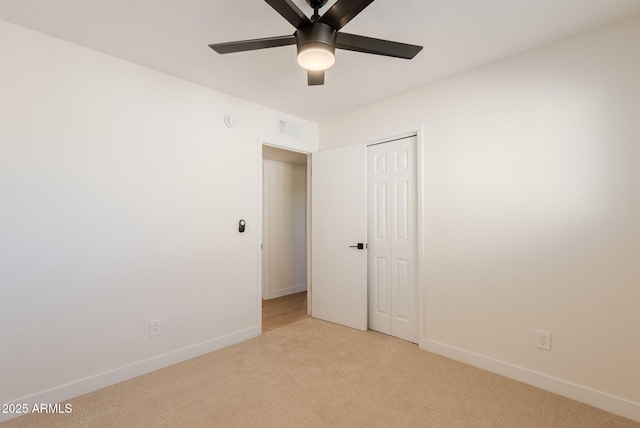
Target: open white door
[(339, 222)]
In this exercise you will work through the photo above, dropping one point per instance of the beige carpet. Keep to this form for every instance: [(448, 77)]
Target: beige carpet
[(316, 374)]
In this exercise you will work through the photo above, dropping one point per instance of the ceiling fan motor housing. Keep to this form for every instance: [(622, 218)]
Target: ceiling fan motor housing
[(316, 37)]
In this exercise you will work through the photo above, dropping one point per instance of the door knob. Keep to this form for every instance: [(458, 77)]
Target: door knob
[(360, 246)]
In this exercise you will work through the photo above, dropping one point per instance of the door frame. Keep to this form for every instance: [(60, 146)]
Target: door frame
[(268, 142)]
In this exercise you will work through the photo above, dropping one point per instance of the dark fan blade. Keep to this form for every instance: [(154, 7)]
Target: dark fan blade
[(315, 78), (290, 12), (352, 42), (250, 45), (343, 11)]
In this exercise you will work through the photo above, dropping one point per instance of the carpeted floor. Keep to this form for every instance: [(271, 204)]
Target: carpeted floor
[(316, 374)]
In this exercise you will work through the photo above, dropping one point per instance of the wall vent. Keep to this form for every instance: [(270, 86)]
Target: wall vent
[(288, 128)]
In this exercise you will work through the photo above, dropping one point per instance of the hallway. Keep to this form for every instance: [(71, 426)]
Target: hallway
[(283, 310)]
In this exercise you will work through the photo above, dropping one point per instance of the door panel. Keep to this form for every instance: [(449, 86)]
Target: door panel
[(379, 266), (393, 300), (380, 287), (339, 213)]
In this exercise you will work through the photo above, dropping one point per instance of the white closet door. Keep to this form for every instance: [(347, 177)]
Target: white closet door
[(392, 239)]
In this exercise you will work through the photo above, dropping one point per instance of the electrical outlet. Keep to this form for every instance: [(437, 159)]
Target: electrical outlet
[(154, 327), (543, 340)]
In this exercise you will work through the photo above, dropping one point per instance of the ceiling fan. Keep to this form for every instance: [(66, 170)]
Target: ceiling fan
[(317, 38)]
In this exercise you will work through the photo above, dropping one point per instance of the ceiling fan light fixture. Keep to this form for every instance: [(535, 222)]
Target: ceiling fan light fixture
[(317, 38), (316, 46), (316, 56)]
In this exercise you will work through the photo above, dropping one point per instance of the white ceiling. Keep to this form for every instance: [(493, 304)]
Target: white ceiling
[(173, 36), (281, 155)]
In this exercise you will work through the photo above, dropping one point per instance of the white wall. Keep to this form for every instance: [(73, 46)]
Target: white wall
[(120, 195), (532, 195), (285, 244)]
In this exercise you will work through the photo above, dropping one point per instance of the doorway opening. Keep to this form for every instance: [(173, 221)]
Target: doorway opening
[(284, 237)]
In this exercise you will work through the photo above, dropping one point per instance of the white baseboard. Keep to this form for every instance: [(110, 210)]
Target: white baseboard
[(601, 400), (272, 294), (79, 387)]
